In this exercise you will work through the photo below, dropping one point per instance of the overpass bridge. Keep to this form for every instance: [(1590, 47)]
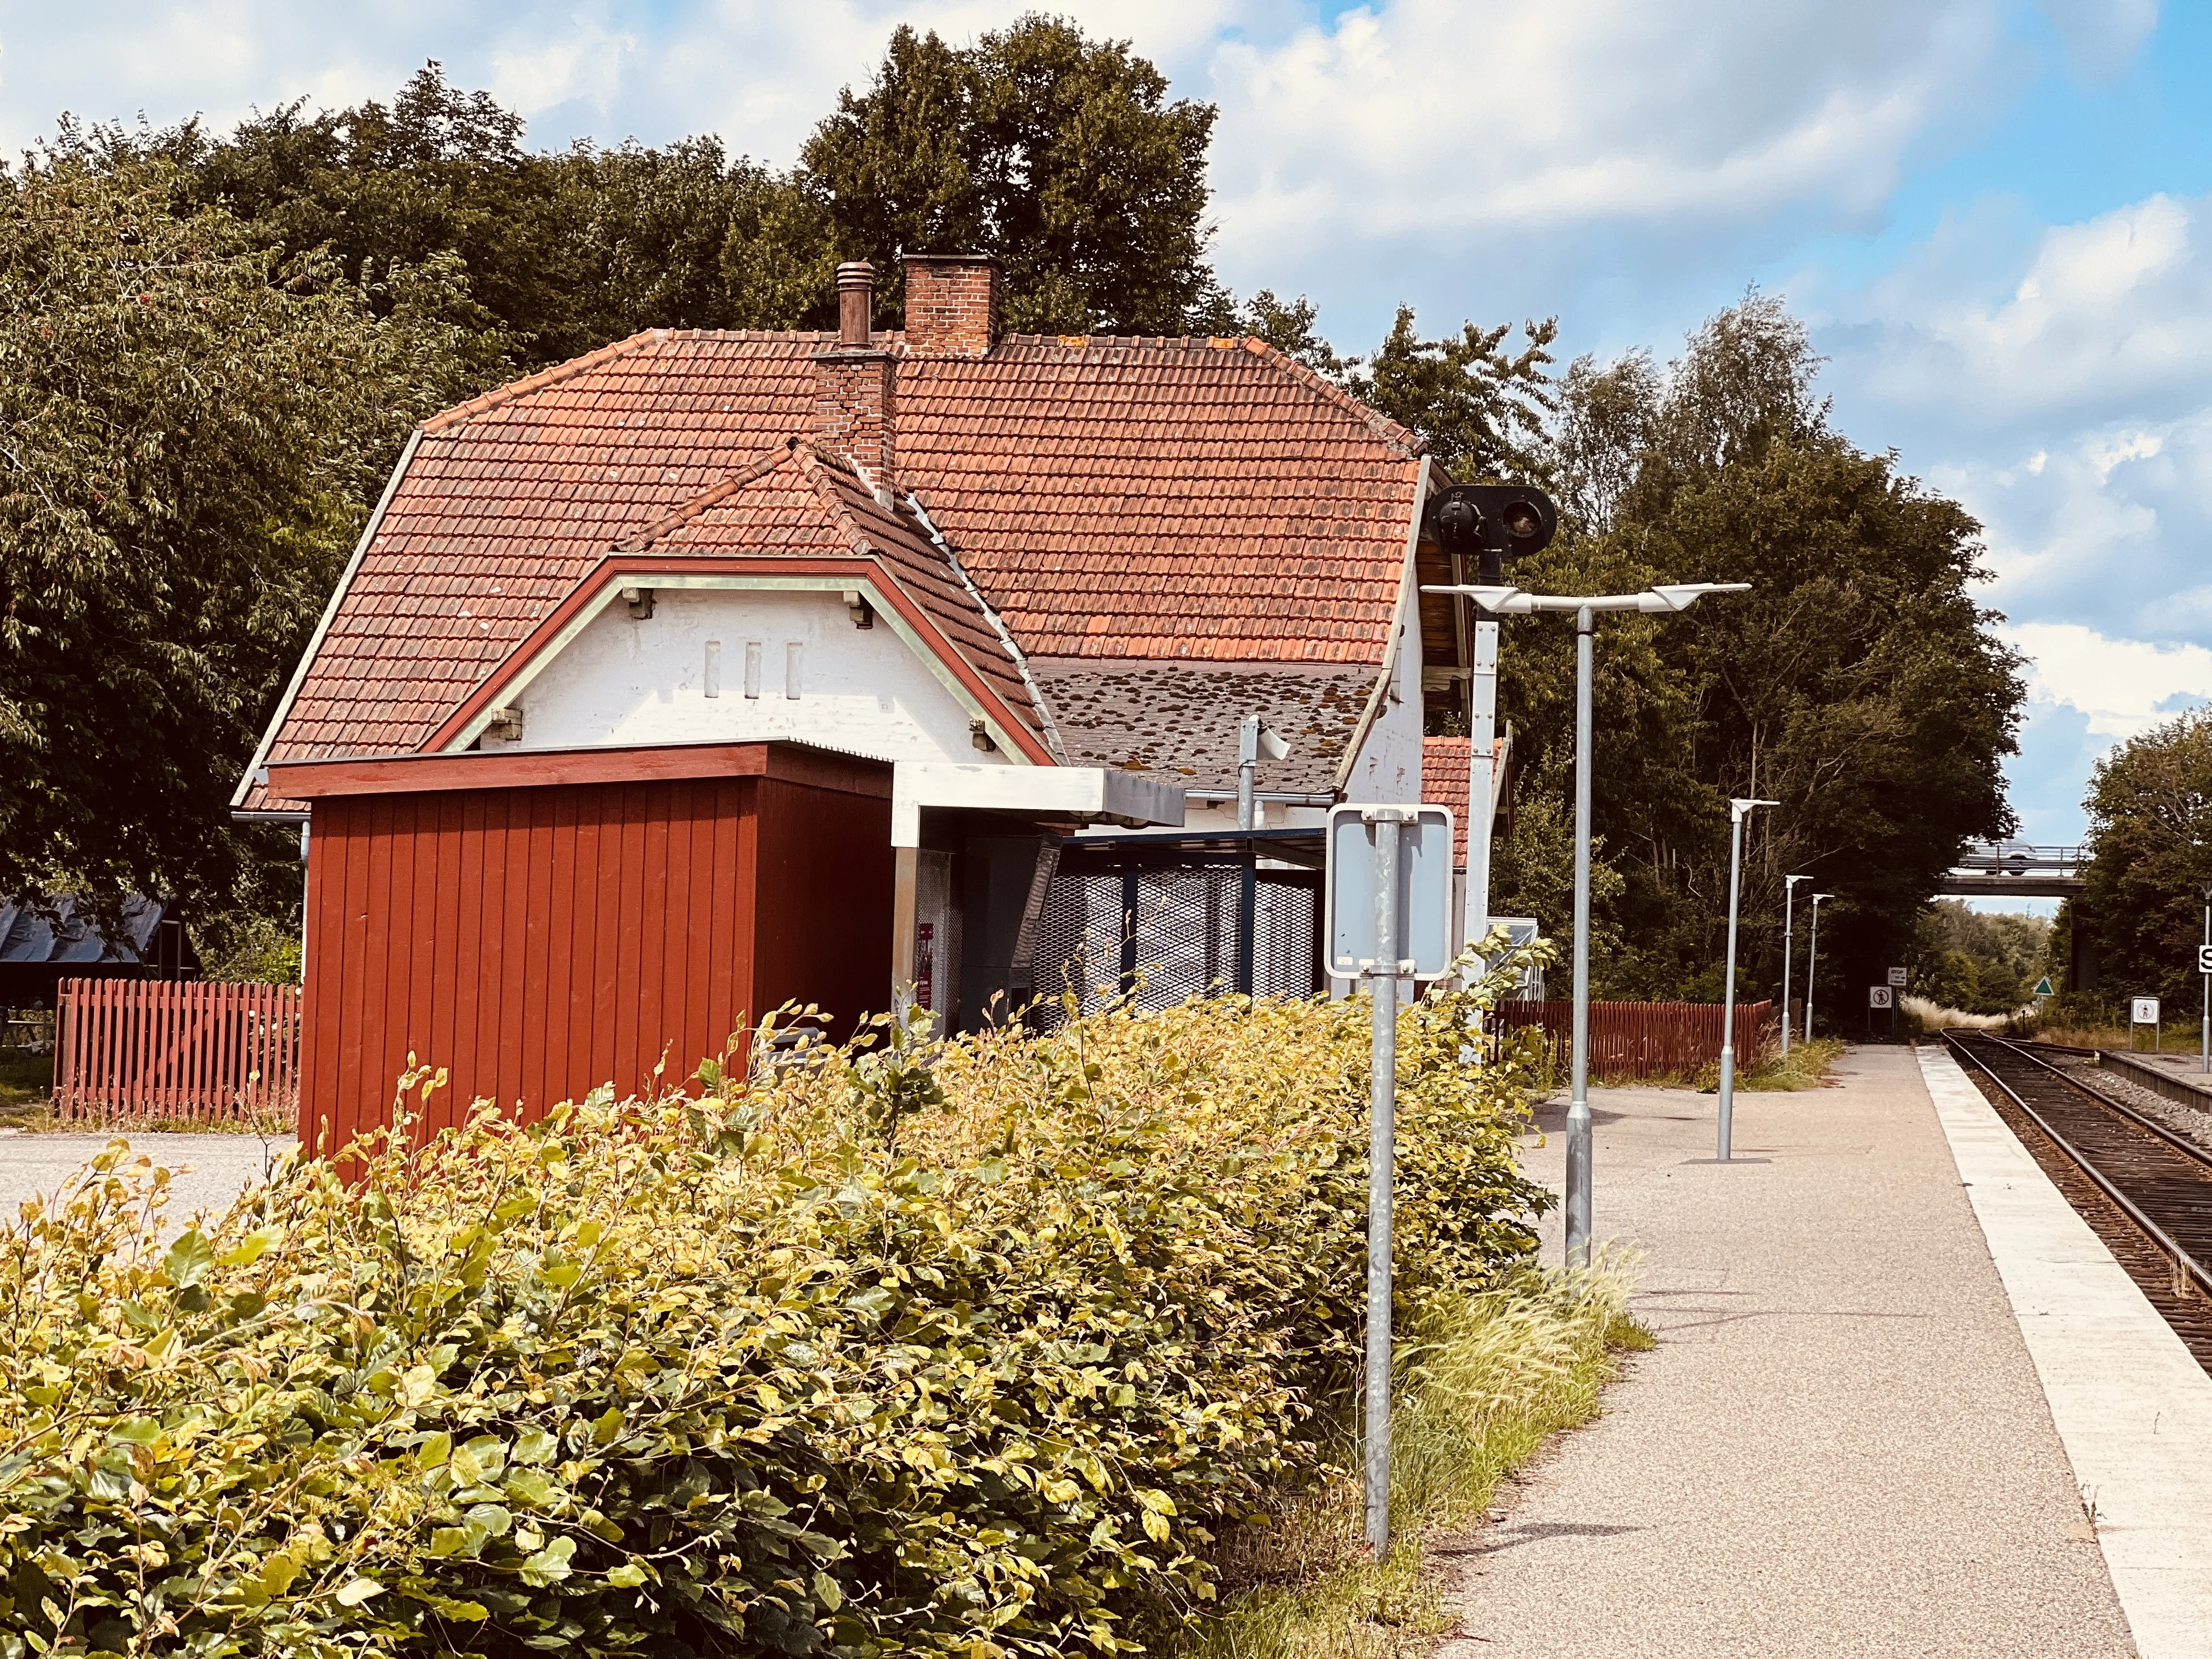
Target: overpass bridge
[(2015, 869)]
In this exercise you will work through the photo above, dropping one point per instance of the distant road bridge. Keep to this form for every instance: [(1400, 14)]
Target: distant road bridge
[(2014, 869)]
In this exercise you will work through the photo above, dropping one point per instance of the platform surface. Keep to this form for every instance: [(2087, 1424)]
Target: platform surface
[(1841, 1445), (218, 1167)]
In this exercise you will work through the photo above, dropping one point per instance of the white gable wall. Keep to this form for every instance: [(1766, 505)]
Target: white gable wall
[(1388, 771), (863, 690)]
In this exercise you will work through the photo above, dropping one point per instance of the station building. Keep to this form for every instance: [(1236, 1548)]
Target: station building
[(715, 669)]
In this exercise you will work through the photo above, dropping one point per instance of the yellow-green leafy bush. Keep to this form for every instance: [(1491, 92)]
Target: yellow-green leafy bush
[(971, 1348)]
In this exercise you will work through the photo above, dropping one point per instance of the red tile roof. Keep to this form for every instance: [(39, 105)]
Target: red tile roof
[(1445, 783), (1206, 500)]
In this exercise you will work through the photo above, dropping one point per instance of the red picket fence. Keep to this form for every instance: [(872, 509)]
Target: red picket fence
[(1629, 1040), (136, 1050)]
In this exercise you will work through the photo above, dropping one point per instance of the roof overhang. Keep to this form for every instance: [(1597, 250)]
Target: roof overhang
[(528, 769), (1088, 794)]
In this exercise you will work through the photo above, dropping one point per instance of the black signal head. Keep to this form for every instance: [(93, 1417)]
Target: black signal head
[(1492, 522)]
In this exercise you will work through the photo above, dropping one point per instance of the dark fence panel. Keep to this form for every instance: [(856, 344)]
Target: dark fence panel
[(1631, 1040)]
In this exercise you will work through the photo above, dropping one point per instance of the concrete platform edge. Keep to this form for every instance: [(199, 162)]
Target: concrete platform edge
[(2131, 1405)]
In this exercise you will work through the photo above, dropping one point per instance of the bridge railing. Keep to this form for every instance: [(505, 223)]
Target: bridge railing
[(2019, 857)]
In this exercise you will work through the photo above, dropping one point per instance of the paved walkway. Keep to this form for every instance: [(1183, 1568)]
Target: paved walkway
[(1840, 1446), (221, 1167)]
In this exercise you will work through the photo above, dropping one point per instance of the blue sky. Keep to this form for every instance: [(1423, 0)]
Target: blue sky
[(1996, 214)]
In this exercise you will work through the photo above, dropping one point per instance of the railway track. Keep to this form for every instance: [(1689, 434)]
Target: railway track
[(2145, 1190)]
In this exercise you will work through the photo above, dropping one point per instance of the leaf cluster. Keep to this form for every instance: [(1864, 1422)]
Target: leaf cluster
[(768, 1370), (2150, 860)]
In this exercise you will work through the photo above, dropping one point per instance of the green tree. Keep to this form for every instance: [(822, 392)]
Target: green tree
[(1481, 407), (1061, 155), (2151, 857), (1857, 683), (192, 425)]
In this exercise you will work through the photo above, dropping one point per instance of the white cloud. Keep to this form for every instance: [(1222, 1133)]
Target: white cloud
[(2111, 316), (1457, 120), (2122, 687)]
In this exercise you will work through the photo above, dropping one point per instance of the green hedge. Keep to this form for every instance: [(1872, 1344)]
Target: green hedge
[(972, 1348)]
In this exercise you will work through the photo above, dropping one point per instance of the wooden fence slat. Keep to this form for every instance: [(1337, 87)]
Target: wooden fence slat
[(1635, 1040), (134, 1050)]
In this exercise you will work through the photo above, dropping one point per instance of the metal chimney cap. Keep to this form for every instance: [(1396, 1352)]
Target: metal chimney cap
[(855, 273)]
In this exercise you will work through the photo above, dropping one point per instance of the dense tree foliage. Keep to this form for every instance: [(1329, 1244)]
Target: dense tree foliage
[(1061, 155), (192, 422), (1976, 961), (1857, 683), (2150, 842)]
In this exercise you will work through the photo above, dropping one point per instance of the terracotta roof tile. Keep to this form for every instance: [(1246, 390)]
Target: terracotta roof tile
[(1188, 499)]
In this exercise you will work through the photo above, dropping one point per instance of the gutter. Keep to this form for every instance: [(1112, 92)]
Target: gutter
[(258, 765), (1021, 662), (1408, 583)]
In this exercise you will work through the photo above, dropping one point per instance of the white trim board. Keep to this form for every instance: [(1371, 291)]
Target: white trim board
[(2131, 1405)]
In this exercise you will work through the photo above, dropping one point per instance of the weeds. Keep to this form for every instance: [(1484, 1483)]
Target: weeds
[(1484, 1380)]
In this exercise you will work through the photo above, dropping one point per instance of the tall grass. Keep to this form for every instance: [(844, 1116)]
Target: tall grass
[(1484, 1380)]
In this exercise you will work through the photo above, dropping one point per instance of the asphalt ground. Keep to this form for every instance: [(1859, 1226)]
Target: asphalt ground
[(213, 1169), (1839, 1446)]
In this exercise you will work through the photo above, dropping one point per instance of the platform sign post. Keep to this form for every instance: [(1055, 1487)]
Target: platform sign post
[(2204, 968), (2144, 1010), (1387, 916), (1880, 996)]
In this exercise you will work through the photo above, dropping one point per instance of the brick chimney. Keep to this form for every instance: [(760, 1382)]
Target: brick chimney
[(856, 385), (952, 304)]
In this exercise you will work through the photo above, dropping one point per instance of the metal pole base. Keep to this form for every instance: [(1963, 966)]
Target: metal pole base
[(1578, 1186), (1728, 1103)]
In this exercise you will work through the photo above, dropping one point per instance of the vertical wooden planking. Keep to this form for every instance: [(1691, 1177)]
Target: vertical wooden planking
[(567, 1014), (443, 835), (538, 1014), (618, 1010), (465, 923), (653, 801), (687, 1049), (513, 934), (585, 906)]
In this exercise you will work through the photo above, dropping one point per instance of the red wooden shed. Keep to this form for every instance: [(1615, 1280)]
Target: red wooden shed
[(542, 923)]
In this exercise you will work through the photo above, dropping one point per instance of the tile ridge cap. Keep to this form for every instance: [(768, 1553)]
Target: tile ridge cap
[(766, 462)]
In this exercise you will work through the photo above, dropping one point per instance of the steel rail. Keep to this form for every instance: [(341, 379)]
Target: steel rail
[(2158, 1235)]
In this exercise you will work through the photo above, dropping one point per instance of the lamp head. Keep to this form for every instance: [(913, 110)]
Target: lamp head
[(1742, 809), (1791, 882), (1671, 597)]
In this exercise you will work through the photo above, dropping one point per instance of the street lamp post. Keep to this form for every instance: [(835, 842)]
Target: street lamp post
[(1812, 965), (1738, 812), (1788, 950), (1662, 601)]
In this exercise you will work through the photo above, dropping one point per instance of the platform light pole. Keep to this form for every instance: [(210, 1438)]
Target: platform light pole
[(1812, 965), (1667, 600), (2203, 961), (1738, 812), (1789, 951)]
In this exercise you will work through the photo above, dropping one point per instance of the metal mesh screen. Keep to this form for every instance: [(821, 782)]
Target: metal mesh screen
[(1185, 939)]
